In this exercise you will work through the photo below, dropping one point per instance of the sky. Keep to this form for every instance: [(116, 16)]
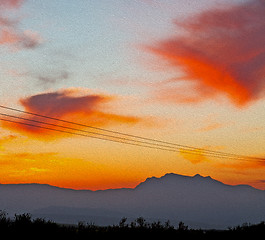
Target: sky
[(182, 71)]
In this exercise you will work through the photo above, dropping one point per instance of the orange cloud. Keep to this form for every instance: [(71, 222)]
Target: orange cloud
[(19, 159), (242, 165), (221, 52), (71, 105), (210, 127), (194, 156), (6, 139), (210, 123)]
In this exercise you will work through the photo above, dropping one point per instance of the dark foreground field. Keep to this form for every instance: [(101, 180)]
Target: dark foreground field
[(24, 226)]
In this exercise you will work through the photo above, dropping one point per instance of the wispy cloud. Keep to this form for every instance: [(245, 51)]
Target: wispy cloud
[(210, 127), (6, 139), (19, 159), (10, 4), (211, 122), (10, 34), (241, 165), (52, 78), (24, 164), (220, 53), (261, 181)]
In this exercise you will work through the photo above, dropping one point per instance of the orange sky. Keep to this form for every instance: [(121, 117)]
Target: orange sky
[(187, 73)]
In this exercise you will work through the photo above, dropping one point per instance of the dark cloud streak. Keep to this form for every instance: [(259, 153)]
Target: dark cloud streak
[(53, 78), (70, 105)]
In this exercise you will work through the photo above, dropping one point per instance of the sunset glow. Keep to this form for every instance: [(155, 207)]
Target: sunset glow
[(182, 72)]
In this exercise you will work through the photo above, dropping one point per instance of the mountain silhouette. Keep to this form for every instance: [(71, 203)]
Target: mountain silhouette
[(201, 202)]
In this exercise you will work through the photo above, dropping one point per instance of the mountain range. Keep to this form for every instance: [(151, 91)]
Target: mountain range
[(200, 202)]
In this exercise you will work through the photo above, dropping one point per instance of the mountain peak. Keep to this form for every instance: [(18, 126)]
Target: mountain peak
[(173, 178), (179, 176), (198, 176)]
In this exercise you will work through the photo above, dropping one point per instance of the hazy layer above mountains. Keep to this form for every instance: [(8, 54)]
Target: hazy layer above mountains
[(198, 201)]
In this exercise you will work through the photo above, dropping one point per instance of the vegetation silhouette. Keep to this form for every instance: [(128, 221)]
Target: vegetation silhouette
[(24, 225)]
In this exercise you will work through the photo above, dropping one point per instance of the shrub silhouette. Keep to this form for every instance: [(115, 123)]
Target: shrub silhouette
[(182, 227), (23, 219), (141, 222), (4, 220), (122, 222), (24, 226)]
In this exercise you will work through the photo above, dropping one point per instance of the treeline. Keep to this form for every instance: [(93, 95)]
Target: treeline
[(24, 225)]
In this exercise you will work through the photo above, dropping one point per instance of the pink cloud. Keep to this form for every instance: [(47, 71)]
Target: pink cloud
[(10, 34), (9, 4), (220, 53)]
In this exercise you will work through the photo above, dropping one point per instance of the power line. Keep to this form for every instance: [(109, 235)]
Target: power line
[(114, 132), (188, 151), (113, 138), (101, 138), (146, 142), (84, 135), (120, 133), (126, 142), (83, 131)]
